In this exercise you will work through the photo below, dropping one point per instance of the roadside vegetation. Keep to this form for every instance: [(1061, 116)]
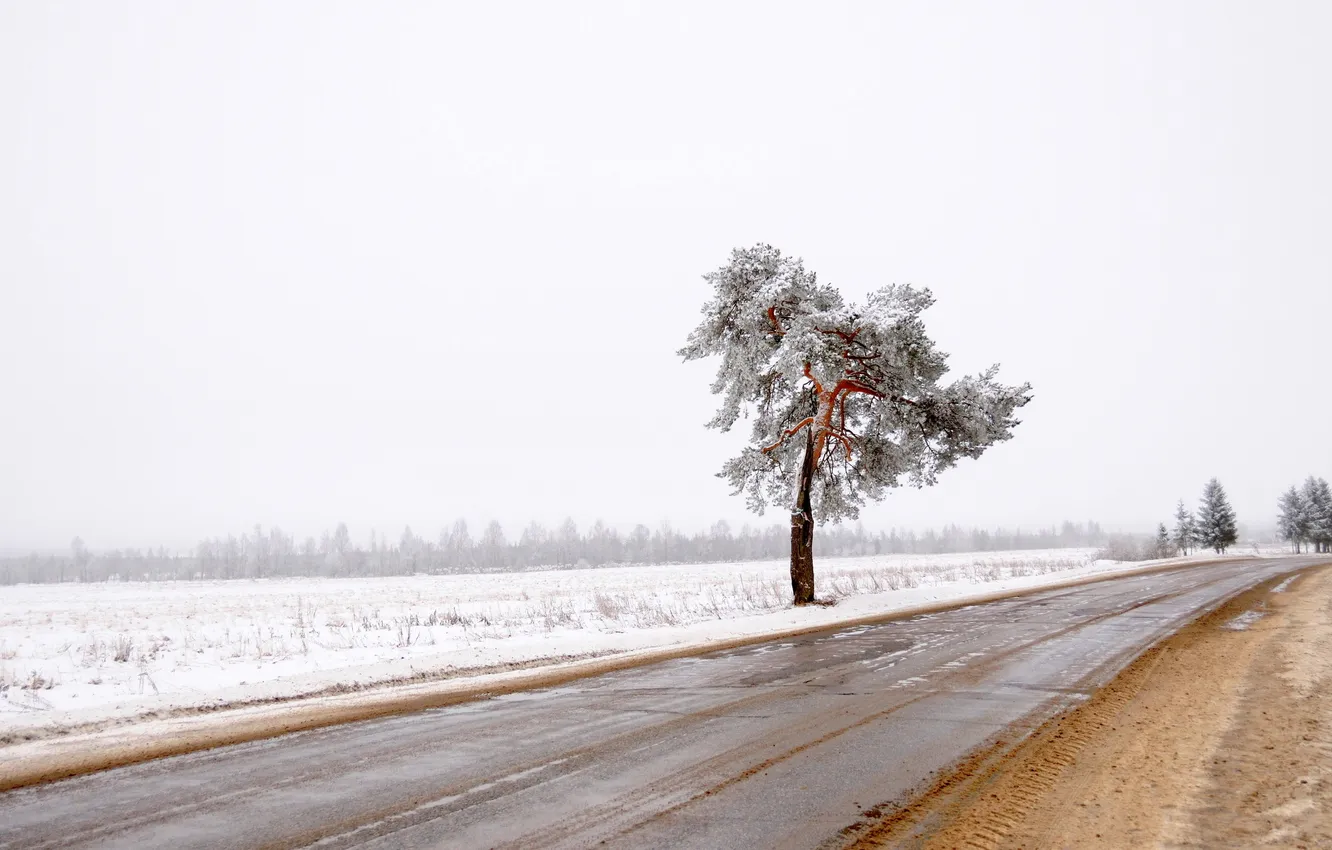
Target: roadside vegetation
[(1305, 516), (1213, 526)]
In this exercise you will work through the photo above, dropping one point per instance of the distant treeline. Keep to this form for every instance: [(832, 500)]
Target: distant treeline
[(274, 553)]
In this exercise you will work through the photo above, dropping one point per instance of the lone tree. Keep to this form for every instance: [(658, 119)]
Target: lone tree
[(846, 399), (1186, 531), (1216, 519)]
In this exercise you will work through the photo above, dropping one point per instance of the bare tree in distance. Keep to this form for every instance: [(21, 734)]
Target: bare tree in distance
[(846, 399)]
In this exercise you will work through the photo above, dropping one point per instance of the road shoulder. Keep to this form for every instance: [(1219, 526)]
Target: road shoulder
[(1218, 736)]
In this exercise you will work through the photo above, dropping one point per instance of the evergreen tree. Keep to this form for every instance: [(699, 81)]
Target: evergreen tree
[(1318, 511), (1186, 529), (1216, 519), (1293, 518), (846, 400), (1165, 548)]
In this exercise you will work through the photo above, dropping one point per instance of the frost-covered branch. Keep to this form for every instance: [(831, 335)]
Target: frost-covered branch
[(809, 420)]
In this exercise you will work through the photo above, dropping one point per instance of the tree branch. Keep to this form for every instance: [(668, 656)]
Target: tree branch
[(785, 434), (845, 441), (818, 388), (849, 386), (848, 337)]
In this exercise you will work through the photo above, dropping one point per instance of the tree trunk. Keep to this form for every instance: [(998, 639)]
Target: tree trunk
[(802, 530)]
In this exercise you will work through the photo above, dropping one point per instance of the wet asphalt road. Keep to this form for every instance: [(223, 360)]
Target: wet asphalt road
[(775, 745)]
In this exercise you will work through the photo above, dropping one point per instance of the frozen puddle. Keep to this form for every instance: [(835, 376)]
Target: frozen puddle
[(1243, 621), (1281, 588)]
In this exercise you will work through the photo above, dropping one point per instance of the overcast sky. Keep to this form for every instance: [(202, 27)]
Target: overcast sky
[(396, 263)]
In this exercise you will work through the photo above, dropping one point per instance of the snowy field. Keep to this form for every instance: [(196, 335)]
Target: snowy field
[(72, 654)]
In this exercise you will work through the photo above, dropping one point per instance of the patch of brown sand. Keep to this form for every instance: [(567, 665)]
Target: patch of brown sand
[(1216, 737), (1270, 780)]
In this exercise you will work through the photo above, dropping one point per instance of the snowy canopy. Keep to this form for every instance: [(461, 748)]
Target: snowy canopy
[(858, 385)]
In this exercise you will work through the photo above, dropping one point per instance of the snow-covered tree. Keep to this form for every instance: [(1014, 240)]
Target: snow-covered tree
[(458, 545), (567, 540), (535, 543), (341, 539), (493, 546), (1293, 517), (1216, 519), (845, 399), (1165, 547), (1186, 529), (1317, 497)]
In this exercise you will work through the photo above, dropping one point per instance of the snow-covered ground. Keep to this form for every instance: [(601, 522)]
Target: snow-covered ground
[(73, 654)]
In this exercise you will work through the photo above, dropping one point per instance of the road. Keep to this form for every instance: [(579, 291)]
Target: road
[(777, 745)]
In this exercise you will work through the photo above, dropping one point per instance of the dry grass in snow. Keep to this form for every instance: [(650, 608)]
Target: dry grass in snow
[(128, 647)]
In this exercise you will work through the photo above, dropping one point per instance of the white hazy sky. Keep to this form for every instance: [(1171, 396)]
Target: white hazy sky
[(394, 263)]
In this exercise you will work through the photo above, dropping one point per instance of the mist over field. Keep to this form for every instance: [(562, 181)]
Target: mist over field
[(305, 264)]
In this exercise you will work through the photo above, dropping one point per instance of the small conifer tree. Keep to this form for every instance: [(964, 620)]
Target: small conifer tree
[(1317, 498), (1186, 530), (1216, 519), (1165, 548), (1293, 518)]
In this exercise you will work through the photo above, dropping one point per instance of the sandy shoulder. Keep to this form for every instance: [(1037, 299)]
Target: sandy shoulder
[(1269, 783), (1219, 736)]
